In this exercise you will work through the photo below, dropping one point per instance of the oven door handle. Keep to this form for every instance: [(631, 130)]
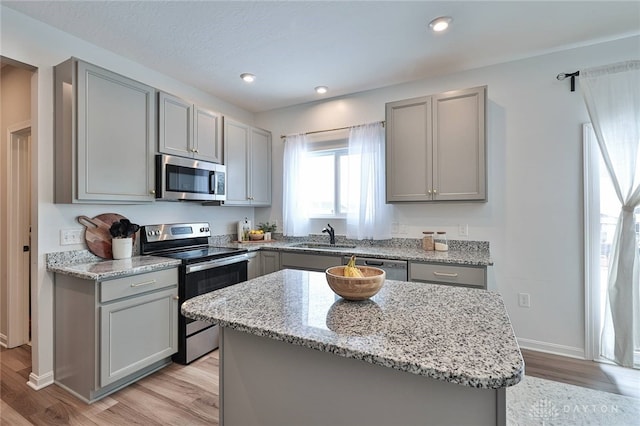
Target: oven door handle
[(216, 263)]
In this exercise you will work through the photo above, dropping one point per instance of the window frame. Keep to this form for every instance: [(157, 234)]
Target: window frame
[(338, 148)]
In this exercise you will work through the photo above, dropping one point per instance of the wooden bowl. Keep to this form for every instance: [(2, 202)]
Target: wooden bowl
[(355, 288), (256, 237)]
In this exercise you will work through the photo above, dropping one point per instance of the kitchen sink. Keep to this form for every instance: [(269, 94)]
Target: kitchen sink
[(325, 246)]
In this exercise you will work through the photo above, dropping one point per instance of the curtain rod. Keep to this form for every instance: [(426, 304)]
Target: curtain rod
[(572, 75), (331, 130)]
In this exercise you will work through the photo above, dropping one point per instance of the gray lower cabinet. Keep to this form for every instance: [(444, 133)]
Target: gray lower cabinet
[(436, 147), (253, 267), (187, 130), (269, 262), (309, 262), (105, 127), (110, 333), (247, 155), (465, 276)]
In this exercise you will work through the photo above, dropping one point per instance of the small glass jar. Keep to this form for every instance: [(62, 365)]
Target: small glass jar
[(440, 241), (427, 241)]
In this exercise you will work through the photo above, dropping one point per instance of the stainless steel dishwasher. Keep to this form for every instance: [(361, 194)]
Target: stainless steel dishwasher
[(395, 269)]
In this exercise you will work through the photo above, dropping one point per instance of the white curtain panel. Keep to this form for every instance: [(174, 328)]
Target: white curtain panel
[(294, 198), (368, 216), (612, 96)]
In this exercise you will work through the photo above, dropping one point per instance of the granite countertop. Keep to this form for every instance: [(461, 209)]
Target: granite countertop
[(472, 254), (83, 264), (453, 334)]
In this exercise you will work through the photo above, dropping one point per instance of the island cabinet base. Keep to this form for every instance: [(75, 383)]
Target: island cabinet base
[(269, 382)]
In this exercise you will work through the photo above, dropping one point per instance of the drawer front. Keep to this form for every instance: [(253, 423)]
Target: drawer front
[(445, 274), (137, 284), (309, 262)]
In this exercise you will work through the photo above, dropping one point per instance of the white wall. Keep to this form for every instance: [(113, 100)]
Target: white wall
[(533, 218), (32, 42)]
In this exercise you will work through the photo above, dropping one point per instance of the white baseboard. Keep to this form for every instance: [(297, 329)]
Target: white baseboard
[(551, 348), (38, 382)]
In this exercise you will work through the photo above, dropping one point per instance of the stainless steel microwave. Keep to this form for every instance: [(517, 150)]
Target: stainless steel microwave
[(179, 178)]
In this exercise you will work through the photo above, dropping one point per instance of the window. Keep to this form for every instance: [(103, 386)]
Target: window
[(337, 177), (601, 215), (326, 173)]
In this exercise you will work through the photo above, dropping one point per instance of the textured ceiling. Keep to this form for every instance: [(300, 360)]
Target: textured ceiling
[(349, 46)]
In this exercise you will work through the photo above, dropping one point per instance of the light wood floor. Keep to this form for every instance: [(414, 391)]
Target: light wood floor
[(588, 374), (188, 395), (175, 395)]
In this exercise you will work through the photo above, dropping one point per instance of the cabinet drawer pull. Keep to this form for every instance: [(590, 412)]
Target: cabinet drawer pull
[(445, 274), (143, 283), (176, 297)]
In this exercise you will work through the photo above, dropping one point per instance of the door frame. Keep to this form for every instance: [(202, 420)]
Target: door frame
[(592, 317), (17, 295)]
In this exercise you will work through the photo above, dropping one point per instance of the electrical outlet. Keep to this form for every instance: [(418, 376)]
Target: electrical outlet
[(463, 230), (70, 236), (524, 300)]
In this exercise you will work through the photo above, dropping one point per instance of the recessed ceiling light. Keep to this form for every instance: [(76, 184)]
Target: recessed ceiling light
[(322, 90), (248, 77), (440, 24)]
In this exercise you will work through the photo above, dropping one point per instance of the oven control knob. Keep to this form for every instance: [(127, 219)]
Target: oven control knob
[(149, 233), (201, 229), (157, 232)]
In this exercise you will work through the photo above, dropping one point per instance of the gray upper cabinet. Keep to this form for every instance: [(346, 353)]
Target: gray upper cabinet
[(105, 136), (247, 155), (436, 148), (187, 130), (409, 150)]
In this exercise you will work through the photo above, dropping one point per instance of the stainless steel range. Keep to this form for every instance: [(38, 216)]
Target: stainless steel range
[(204, 268)]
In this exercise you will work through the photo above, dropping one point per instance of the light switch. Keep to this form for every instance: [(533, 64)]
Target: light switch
[(524, 300), (70, 236)]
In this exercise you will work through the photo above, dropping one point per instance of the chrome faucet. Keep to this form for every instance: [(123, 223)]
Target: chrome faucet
[(331, 232)]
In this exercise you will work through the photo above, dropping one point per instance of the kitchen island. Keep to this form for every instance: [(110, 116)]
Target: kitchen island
[(292, 352)]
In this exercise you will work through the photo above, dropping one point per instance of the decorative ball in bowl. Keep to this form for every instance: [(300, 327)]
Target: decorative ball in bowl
[(355, 288), (256, 237)]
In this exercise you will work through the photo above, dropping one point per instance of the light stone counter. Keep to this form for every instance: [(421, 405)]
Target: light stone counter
[(474, 253), (292, 352), (83, 264), (451, 334)]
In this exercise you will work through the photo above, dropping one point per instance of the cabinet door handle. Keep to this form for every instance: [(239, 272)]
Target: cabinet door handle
[(152, 191), (445, 274), (176, 297), (434, 192), (143, 283), (429, 192)]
